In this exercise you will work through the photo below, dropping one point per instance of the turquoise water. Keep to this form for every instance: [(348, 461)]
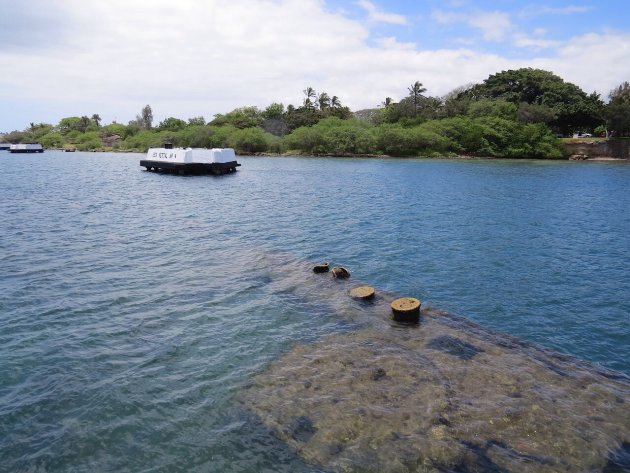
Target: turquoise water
[(136, 306)]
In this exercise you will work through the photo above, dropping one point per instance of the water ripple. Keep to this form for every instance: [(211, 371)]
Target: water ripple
[(135, 305)]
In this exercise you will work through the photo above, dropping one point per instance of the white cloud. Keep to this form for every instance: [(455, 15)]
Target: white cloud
[(391, 43), (447, 17), (536, 10), (194, 58), (535, 43), (494, 25), (377, 16), (592, 61)]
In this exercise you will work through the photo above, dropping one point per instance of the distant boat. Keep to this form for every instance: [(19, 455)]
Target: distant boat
[(26, 148), (5, 146), (190, 160), (70, 150)]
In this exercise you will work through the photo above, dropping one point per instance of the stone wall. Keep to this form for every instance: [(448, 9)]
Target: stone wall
[(619, 148)]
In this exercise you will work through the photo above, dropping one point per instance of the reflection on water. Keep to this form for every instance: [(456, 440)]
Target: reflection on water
[(446, 395)]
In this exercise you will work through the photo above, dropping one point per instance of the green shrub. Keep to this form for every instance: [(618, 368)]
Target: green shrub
[(52, 140), (249, 140), (146, 139), (305, 139), (219, 136)]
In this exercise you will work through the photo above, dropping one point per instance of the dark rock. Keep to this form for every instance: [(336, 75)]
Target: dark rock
[(301, 429), (340, 273), (321, 268), (377, 373), (335, 449), (454, 346)]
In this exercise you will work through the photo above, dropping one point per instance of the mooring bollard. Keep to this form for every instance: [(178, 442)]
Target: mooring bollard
[(406, 309), (340, 273), (321, 268), (362, 292)]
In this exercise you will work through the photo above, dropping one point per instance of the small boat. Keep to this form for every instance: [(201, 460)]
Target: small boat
[(26, 148), (190, 160), (5, 146)]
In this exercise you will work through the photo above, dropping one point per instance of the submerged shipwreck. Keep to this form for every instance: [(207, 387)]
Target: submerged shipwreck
[(441, 395), (190, 160)]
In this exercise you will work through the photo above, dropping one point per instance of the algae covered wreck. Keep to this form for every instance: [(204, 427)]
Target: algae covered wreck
[(443, 395)]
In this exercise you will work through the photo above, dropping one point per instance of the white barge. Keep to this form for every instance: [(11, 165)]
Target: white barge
[(26, 148), (190, 160)]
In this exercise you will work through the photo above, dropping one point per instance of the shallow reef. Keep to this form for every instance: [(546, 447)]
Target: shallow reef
[(443, 395)]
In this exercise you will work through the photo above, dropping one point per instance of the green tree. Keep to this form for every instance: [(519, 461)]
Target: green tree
[(574, 109), (196, 121), (84, 123), (456, 102), (17, 137), (274, 122), (97, 119), (493, 108), (114, 129), (145, 119), (243, 117), (534, 113), (275, 110), (397, 111), (38, 130), (171, 124), (339, 112), (301, 116), (618, 109), (68, 124)]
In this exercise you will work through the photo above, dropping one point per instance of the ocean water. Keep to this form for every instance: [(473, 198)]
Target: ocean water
[(136, 308)]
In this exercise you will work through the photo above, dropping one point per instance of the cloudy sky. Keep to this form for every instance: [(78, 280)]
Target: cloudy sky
[(189, 58)]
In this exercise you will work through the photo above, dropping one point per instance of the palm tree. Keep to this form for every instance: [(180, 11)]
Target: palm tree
[(334, 102), (415, 92), (323, 100), (310, 94), (97, 119)]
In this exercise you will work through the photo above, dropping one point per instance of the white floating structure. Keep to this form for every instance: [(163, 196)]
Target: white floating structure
[(26, 148), (190, 160)]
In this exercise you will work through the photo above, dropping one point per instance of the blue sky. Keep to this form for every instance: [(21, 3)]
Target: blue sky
[(491, 25), (202, 57)]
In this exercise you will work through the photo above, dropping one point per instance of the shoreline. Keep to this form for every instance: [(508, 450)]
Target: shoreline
[(297, 154), (454, 157)]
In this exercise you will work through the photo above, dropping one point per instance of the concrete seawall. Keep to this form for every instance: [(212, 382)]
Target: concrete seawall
[(619, 149)]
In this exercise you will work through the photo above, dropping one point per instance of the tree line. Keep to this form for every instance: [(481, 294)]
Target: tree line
[(512, 114)]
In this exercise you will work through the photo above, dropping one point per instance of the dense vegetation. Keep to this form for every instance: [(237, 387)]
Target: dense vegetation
[(512, 114)]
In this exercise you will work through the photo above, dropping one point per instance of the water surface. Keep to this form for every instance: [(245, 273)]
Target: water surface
[(136, 307)]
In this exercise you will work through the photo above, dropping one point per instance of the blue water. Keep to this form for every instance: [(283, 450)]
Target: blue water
[(134, 306)]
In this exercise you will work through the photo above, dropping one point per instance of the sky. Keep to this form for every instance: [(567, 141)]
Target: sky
[(190, 58)]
